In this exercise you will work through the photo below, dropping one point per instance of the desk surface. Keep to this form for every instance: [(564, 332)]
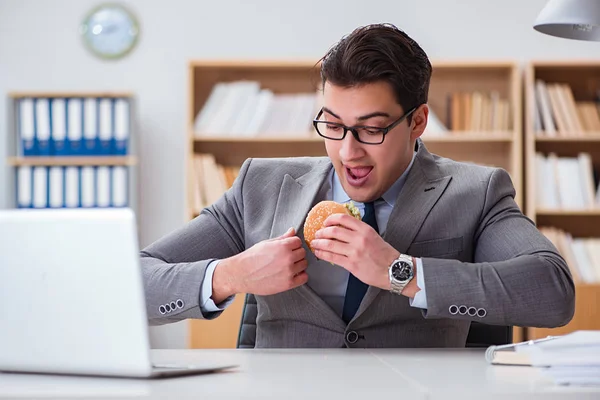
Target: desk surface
[(314, 374)]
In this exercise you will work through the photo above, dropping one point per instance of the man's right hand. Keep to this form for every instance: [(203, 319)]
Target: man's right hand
[(269, 267)]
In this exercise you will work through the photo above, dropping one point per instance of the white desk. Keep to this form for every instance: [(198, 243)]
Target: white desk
[(314, 374)]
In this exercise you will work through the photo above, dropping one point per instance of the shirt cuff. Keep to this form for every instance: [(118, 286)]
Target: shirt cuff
[(420, 299), (207, 305)]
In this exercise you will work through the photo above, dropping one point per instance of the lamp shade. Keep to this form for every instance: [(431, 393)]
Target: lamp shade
[(570, 19)]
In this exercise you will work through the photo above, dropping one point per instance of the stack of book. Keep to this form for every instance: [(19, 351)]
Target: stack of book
[(567, 183), (558, 114), (244, 109)]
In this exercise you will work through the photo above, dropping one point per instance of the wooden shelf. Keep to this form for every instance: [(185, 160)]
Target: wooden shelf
[(72, 161), (594, 212), (260, 139), (578, 137), (18, 95), (583, 77)]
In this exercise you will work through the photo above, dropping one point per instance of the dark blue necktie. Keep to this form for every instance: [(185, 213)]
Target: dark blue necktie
[(355, 291)]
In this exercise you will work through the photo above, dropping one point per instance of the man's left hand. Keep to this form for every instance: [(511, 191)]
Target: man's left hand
[(355, 246)]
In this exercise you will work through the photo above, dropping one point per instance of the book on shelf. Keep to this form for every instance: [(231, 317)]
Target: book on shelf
[(73, 126), (72, 186), (581, 254), (210, 180), (478, 111), (566, 182), (243, 109), (559, 114)]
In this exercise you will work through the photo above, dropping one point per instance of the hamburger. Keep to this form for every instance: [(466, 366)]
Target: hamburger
[(319, 213)]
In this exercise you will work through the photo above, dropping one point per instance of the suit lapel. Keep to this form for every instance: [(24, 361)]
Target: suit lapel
[(296, 198), (424, 185)]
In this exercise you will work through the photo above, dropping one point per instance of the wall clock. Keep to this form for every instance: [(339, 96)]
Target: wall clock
[(110, 31)]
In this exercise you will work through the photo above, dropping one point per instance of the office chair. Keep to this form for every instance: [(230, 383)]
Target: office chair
[(480, 335)]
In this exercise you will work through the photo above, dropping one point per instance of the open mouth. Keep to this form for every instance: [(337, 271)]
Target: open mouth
[(357, 176)]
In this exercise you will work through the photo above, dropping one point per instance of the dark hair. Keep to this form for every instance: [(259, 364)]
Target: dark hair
[(380, 52)]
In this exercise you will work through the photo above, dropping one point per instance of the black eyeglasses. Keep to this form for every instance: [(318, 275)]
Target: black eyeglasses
[(363, 134)]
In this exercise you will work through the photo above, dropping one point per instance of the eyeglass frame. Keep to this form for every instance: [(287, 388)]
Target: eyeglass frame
[(354, 131)]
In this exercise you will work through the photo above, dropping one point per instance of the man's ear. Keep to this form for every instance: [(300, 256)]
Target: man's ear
[(419, 121)]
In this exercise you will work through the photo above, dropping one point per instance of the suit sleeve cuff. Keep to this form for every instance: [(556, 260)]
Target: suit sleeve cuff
[(207, 305), (420, 299)]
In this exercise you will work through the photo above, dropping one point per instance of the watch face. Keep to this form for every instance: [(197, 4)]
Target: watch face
[(402, 271)]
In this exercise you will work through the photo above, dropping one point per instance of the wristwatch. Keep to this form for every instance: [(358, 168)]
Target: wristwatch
[(401, 272)]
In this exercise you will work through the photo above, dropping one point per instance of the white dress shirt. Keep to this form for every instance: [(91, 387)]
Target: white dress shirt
[(330, 283)]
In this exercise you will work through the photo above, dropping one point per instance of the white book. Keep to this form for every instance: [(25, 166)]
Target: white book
[(246, 112), (569, 184), (435, 127), (548, 196), (586, 170), (264, 100), (24, 181), (42, 118), (72, 187), (40, 187), (59, 121), (106, 131), (26, 124), (103, 186), (119, 186), (56, 187), (543, 100), (88, 190), (212, 104), (584, 261)]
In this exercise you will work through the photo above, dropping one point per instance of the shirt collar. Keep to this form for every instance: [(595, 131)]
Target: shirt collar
[(340, 196)]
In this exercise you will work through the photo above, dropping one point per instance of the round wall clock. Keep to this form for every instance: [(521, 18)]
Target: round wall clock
[(110, 31)]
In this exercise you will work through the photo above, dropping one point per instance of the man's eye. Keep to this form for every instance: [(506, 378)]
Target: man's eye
[(333, 128)]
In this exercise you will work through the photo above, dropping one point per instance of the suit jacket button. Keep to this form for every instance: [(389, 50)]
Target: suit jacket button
[(352, 337), (162, 310)]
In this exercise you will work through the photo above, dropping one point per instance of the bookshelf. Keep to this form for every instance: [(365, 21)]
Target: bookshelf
[(477, 105), (562, 159), (78, 147)]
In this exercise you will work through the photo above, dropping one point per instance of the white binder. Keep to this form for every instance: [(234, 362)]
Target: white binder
[(42, 126), (24, 186), (74, 126), (122, 126), (106, 126), (56, 187), (59, 126), (88, 189), (26, 127), (90, 126), (40, 187), (103, 186), (119, 187), (72, 187)]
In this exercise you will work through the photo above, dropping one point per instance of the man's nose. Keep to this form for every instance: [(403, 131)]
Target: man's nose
[(351, 148)]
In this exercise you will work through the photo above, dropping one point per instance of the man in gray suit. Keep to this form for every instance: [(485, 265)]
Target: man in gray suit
[(440, 244)]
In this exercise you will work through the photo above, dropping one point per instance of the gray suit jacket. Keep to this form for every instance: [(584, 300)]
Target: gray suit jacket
[(483, 260)]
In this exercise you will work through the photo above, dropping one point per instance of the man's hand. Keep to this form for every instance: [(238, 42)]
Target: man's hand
[(269, 267), (355, 246)]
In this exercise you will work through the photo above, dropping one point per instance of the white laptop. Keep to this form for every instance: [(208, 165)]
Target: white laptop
[(71, 296)]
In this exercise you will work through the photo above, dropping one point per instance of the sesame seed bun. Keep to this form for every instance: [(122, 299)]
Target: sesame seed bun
[(319, 213)]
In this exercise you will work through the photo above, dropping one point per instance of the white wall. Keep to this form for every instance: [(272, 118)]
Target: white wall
[(40, 50)]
